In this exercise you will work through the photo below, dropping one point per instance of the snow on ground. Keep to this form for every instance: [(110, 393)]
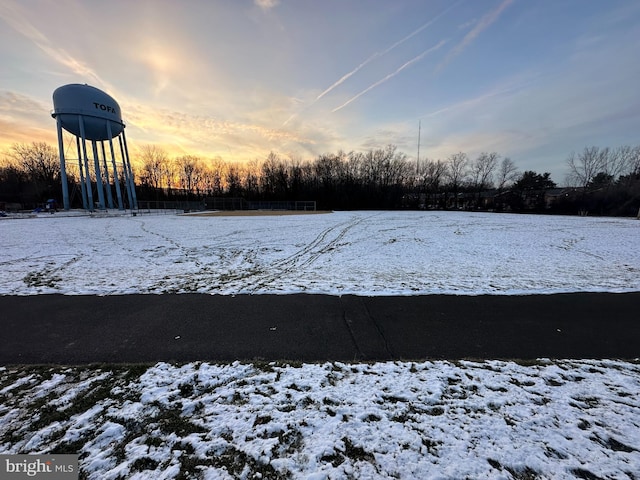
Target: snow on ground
[(440, 420), (431, 420), (363, 253)]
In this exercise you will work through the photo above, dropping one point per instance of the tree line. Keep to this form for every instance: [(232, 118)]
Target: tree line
[(599, 180)]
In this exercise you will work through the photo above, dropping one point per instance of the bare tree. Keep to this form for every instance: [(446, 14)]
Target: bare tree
[(507, 173), (370, 169), (296, 175), (271, 174), (328, 169), (169, 175), (399, 170), (40, 162), (482, 170), (429, 176), (233, 180), (213, 181), (634, 161), (155, 165), (584, 166), (623, 160), (482, 173), (384, 167), (190, 173), (457, 172), (250, 180)]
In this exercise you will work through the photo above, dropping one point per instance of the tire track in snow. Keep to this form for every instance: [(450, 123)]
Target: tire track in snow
[(48, 276), (570, 244), (180, 283), (204, 276), (248, 275), (167, 239), (254, 278), (321, 245), (16, 261)]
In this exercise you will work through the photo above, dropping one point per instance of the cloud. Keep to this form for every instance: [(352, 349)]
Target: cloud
[(165, 60), (391, 75), (12, 103), (24, 120), (13, 132), (210, 136), (482, 25), (12, 15), (266, 4)]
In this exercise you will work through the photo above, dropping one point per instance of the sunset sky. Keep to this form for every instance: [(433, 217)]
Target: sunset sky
[(533, 80)]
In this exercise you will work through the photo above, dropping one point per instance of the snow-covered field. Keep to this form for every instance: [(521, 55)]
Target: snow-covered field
[(364, 253), (552, 420), (442, 420)]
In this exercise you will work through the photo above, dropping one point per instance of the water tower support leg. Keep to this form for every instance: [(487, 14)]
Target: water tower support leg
[(99, 185), (86, 165), (116, 179), (128, 166), (107, 182), (83, 187), (125, 172), (63, 169)]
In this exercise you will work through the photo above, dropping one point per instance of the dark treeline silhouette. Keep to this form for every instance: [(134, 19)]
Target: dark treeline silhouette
[(600, 181), (30, 174)]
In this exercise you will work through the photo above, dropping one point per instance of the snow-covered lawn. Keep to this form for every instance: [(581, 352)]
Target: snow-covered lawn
[(492, 419), (364, 253), (486, 419)]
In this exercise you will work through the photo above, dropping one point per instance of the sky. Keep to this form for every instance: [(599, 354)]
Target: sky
[(530, 80)]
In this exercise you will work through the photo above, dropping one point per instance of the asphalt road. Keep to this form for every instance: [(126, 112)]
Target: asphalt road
[(56, 329)]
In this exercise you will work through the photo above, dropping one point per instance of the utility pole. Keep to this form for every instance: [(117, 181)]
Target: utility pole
[(418, 158)]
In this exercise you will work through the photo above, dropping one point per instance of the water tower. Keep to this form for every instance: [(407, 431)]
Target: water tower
[(91, 115)]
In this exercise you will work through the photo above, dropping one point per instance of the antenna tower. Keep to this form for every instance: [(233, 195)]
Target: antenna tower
[(418, 157)]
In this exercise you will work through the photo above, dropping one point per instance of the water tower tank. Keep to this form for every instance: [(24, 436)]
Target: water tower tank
[(70, 102)]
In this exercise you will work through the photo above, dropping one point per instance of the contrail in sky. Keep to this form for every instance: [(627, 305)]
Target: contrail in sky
[(11, 14), (391, 75), (387, 50), (376, 55), (477, 100), (484, 22)]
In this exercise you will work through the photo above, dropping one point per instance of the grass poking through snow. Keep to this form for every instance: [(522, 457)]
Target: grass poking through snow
[(492, 419)]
